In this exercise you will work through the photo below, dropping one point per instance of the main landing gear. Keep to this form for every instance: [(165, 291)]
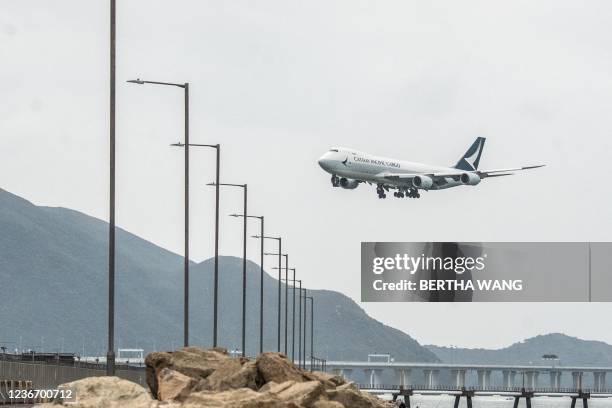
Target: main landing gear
[(380, 191), (410, 193), (335, 180)]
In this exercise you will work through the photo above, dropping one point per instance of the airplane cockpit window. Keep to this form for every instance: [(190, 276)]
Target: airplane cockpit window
[(334, 150)]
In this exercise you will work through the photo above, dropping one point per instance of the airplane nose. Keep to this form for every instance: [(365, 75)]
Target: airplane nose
[(324, 163)]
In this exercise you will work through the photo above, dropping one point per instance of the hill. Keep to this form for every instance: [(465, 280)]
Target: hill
[(53, 269), (570, 350)]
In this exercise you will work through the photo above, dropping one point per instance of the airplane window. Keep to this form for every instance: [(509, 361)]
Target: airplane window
[(334, 150)]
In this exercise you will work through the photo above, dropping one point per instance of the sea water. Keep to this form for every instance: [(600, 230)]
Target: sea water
[(446, 401)]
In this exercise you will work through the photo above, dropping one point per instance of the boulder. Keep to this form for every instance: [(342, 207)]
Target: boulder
[(232, 374), (327, 404), (301, 393), (194, 362), (349, 396), (194, 377), (171, 383), (329, 381), (242, 397), (108, 392), (277, 367), (275, 388)]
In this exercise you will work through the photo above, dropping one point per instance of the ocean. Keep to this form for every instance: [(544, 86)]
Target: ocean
[(445, 401)]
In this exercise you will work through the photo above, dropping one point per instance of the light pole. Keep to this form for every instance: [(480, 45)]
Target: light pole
[(293, 316), (217, 147), (304, 331), (261, 282), (286, 292), (110, 354), (311, 330), (279, 239), (185, 87), (244, 250), (300, 325)]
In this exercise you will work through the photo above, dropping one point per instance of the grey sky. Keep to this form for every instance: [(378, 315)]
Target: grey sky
[(278, 83)]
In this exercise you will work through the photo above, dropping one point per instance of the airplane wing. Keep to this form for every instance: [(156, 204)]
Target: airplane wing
[(504, 172), (482, 173)]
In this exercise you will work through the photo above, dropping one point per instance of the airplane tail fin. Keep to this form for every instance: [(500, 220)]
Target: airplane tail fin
[(471, 158)]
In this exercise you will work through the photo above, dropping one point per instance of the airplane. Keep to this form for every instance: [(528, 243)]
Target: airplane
[(349, 168)]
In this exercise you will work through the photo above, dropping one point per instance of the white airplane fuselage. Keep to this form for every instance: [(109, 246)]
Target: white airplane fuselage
[(350, 167), (355, 165)]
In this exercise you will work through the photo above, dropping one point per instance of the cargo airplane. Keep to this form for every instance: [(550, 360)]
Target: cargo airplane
[(350, 167)]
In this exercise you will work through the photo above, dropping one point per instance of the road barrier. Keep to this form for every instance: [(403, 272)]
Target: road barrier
[(47, 376)]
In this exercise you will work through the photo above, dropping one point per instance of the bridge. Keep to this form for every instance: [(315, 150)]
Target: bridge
[(573, 395), (524, 376)]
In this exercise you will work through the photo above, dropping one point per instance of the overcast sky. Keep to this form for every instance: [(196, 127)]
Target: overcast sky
[(278, 82)]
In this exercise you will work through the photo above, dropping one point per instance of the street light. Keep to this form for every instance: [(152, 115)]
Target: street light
[(110, 354), (286, 292), (300, 325), (279, 239), (244, 250), (311, 330), (261, 282), (293, 316), (304, 331), (185, 87), (217, 147)]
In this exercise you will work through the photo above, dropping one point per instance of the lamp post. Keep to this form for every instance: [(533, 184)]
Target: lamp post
[(279, 239), (286, 292), (110, 354), (217, 147), (311, 330), (244, 250), (261, 281), (185, 87), (304, 331), (300, 325), (293, 316)]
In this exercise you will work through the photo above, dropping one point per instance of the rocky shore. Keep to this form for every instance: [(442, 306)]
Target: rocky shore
[(195, 377)]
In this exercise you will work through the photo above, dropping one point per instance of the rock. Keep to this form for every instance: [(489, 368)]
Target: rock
[(328, 380), (327, 404), (242, 397), (171, 383), (194, 377), (349, 396), (302, 394), (275, 388), (232, 374), (108, 392), (277, 367), (194, 362)]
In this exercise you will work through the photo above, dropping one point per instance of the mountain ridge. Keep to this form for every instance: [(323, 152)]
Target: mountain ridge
[(53, 262), (569, 349)]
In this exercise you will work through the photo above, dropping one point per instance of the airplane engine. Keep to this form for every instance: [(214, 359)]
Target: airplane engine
[(471, 179), (422, 182), (349, 184)]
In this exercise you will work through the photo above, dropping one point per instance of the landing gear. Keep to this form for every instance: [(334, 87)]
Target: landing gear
[(381, 191), (412, 193), (335, 180)]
